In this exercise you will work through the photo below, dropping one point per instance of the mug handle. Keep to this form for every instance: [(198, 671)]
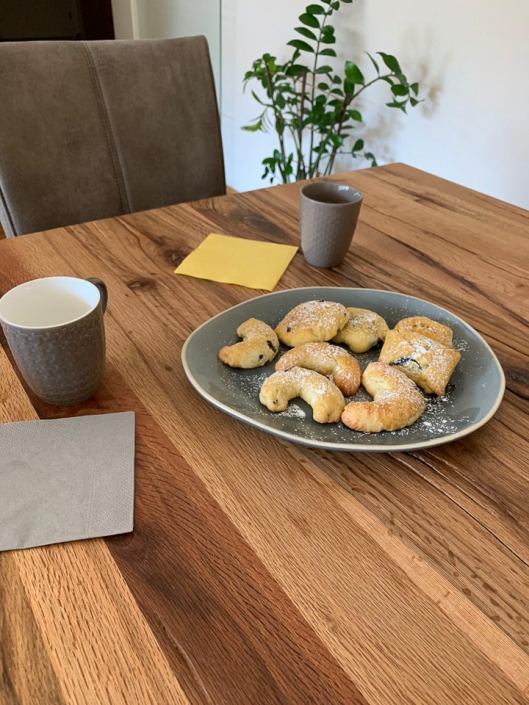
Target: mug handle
[(103, 291)]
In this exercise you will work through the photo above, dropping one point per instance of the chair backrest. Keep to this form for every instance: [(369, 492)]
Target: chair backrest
[(90, 130)]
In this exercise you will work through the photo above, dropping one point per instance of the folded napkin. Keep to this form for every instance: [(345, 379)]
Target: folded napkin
[(234, 260), (66, 479)]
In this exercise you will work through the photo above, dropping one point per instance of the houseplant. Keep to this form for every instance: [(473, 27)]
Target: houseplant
[(310, 105)]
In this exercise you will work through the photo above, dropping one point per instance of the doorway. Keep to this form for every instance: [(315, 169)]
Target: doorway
[(26, 20)]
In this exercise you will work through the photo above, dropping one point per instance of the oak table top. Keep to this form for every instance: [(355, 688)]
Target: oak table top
[(260, 571)]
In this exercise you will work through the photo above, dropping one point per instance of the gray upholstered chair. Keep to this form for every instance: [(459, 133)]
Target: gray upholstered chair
[(90, 130)]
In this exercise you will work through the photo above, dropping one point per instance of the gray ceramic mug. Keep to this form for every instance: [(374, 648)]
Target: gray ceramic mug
[(54, 327), (328, 215)]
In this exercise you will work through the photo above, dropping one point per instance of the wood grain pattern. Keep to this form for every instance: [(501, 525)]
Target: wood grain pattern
[(70, 631), (261, 571)]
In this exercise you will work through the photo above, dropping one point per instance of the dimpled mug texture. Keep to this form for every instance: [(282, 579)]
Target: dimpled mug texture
[(328, 215), (62, 365)]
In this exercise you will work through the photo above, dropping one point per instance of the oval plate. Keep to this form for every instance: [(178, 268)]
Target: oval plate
[(473, 395)]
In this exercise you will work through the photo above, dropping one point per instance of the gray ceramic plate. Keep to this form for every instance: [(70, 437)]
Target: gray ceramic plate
[(473, 395)]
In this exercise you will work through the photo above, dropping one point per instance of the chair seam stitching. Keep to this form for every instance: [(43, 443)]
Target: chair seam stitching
[(109, 133)]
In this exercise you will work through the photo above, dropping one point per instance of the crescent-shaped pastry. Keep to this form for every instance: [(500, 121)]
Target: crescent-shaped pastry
[(321, 394), (397, 402), (363, 330), (312, 322), (328, 360), (425, 326), (259, 346)]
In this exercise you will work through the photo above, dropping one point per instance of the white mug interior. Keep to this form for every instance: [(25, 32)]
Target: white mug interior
[(49, 302)]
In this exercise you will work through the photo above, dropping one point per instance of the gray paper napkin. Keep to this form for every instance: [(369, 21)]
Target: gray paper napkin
[(66, 479)]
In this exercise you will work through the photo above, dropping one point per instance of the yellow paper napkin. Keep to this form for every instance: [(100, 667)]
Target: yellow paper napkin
[(234, 260)]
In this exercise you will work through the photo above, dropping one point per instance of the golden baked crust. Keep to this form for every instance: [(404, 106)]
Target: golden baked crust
[(425, 326), (328, 360), (363, 330), (325, 398), (397, 402), (259, 346), (428, 363), (312, 322)]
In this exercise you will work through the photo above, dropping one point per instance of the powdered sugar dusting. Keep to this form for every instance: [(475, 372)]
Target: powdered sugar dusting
[(443, 415), (313, 314), (293, 412)]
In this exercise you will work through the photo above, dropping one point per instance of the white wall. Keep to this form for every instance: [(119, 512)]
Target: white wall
[(125, 16), (471, 56), (161, 19)]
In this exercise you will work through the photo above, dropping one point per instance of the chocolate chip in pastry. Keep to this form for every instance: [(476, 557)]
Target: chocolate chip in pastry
[(259, 346), (312, 322), (428, 363)]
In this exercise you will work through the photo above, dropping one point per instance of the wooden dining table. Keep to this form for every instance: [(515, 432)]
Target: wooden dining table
[(261, 571)]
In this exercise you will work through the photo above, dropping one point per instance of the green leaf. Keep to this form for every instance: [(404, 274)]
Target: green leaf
[(377, 69), (323, 86), (371, 157), (337, 91), (415, 88), (280, 101), (300, 44), (414, 102), (296, 70), (337, 140), (399, 90), (337, 79), (335, 5), (396, 104), (306, 33), (347, 1), (309, 20), (391, 62), (358, 145), (327, 52), (328, 29), (254, 128), (315, 10), (355, 115), (353, 73), (328, 39), (324, 69), (256, 97)]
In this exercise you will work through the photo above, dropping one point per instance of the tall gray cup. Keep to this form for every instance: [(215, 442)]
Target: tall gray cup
[(328, 215), (54, 327)]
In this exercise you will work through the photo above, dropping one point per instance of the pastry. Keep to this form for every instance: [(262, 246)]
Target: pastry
[(325, 398), (329, 360), (259, 346), (397, 402), (428, 363), (425, 326), (363, 330), (312, 322)]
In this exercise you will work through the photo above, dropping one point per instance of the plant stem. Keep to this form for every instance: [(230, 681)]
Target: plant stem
[(301, 170), (277, 114), (346, 104), (313, 91)]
